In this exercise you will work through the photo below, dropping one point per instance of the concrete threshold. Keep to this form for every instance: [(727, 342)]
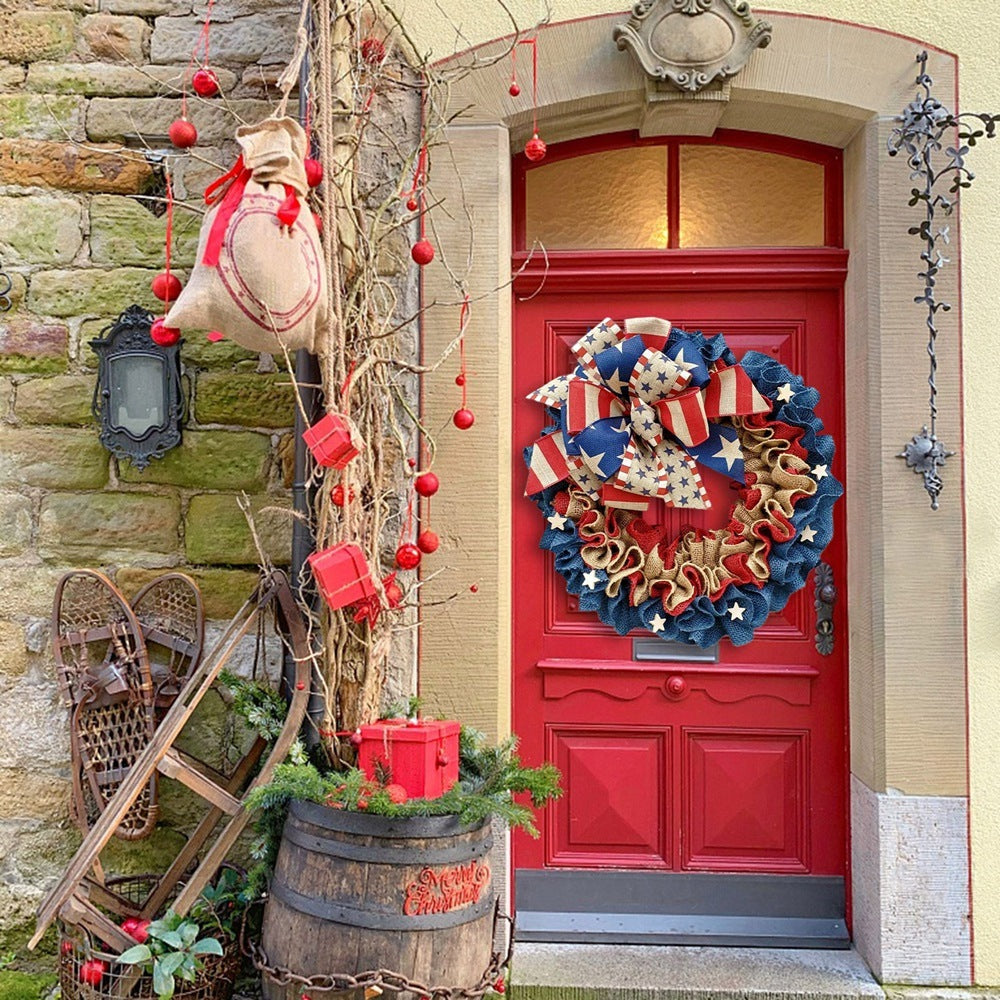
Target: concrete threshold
[(642, 972)]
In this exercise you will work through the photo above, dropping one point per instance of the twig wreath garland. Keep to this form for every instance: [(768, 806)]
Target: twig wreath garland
[(642, 410)]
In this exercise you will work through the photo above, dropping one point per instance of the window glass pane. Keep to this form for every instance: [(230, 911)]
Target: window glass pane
[(615, 200), (744, 198)]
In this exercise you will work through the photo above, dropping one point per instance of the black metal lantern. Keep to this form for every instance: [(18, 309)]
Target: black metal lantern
[(138, 399)]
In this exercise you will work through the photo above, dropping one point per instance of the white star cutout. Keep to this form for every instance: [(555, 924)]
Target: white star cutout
[(735, 611), (807, 534), (590, 579), (785, 392), (729, 452), (557, 521), (657, 623), (681, 363), (819, 471)]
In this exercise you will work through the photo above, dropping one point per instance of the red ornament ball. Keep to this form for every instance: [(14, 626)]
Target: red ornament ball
[(205, 83), (412, 204), (356, 738), (460, 379), (340, 496), (427, 484), (397, 794), (500, 986), (535, 149), (92, 972), (514, 88), (136, 929), (463, 419), (300, 686), (66, 946), (166, 287), (411, 462), (422, 252), (428, 542), (408, 556), (474, 588), (165, 336), (183, 134), (373, 51), (314, 171)]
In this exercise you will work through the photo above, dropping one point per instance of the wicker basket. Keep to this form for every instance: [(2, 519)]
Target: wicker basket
[(214, 982)]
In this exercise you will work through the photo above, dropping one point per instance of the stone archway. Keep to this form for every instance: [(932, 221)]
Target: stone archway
[(823, 81)]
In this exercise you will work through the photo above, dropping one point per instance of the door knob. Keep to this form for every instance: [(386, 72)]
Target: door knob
[(826, 598)]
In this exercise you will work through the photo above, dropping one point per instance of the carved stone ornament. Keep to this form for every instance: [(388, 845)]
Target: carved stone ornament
[(692, 43)]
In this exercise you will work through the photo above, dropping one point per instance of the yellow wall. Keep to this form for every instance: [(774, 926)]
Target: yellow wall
[(968, 28)]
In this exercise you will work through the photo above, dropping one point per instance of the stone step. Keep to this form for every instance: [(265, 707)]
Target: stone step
[(641, 972)]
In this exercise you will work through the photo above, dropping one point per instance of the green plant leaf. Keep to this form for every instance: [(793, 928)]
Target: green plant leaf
[(172, 938), (206, 946), (163, 982), (188, 932), (136, 955), (169, 964)]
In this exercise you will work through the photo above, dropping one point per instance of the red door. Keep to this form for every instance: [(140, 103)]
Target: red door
[(674, 767)]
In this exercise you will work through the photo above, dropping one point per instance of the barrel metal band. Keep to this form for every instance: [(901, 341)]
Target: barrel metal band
[(355, 917), (376, 854)]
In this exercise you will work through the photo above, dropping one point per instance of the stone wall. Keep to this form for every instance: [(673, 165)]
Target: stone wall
[(87, 91)]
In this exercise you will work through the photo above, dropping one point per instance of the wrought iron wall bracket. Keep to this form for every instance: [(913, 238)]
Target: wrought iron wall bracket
[(926, 129)]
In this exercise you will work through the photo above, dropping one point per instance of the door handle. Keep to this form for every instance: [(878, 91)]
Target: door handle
[(825, 599)]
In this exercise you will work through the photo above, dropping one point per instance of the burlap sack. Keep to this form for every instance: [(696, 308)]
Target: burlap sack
[(259, 282)]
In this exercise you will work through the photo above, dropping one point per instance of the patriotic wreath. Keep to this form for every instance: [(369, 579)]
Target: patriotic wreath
[(631, 425)]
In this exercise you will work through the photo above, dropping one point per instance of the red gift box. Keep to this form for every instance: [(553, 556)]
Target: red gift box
[(330, 441), (422, 756), (342, 574)]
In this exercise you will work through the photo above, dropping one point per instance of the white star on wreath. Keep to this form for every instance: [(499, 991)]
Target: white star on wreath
[(557, 521), (590, 579), (807, 534), (819, 471), (735, 611), (657, 623), (785, 392), (729, 452)]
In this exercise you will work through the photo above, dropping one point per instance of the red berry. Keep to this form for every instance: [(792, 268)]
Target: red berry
[(535, 149), (411, 462), (514, 88), (412, 204), (92, 972), (314, 171), (136, 928), (460, 379), (162, 334), (396, 793), (474, 588), (422, 252), (408, 556), (288, 210), (463, 419), (166, 287), (182, 133), (427, 484), (300, 686), (428, 542), (66, 946), (373, 51), (356, 738), (500, 986), (362, 802), (205, 83)]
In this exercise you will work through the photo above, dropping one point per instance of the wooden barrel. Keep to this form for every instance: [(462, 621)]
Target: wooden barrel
[(353, 892)]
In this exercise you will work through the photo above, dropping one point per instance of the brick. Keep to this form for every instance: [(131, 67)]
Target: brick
[(146, 8), (114, 38), (33, 730), (251, 400), (15, 536), (109, 528), (151, 117), (71, 167), (44, 852), (214, 460), (198, 351), (93, 79), (90, 292), (26, 591), (33, 795), (29, 344), (40, 230), (30, 35), (223, 591), (264, 37), (62, 459), (123, 232), (233, 9), (216, 531), (63, 399), (12, 77), (39, 116)]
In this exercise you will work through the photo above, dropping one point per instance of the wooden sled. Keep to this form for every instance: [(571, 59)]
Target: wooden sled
[(81, 900), (170, 612), (104, 676)]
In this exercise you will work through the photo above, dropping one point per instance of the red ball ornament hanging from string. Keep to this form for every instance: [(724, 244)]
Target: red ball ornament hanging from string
[(422, 252), (165, 336), (373, 50), (166, 286), (535, 149), (427, 484), (314, 172), (205, 83), (463, 419), (183, 134), (514, 89), (412, 204), (408, 556), (428, 542)]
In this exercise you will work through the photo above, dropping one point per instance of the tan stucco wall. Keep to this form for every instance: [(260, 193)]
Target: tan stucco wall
[(967, 29)]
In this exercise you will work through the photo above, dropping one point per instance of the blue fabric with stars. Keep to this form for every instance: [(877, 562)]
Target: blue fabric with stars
[(704, 622), (708, 452)]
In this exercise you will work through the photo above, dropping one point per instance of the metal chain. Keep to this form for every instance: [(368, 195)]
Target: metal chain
[(382, 980)]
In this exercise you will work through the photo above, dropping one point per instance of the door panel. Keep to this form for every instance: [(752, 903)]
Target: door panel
[(736, 766)]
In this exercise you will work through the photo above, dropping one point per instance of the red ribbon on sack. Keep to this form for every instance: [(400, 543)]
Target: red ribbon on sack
[(237, 179)]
